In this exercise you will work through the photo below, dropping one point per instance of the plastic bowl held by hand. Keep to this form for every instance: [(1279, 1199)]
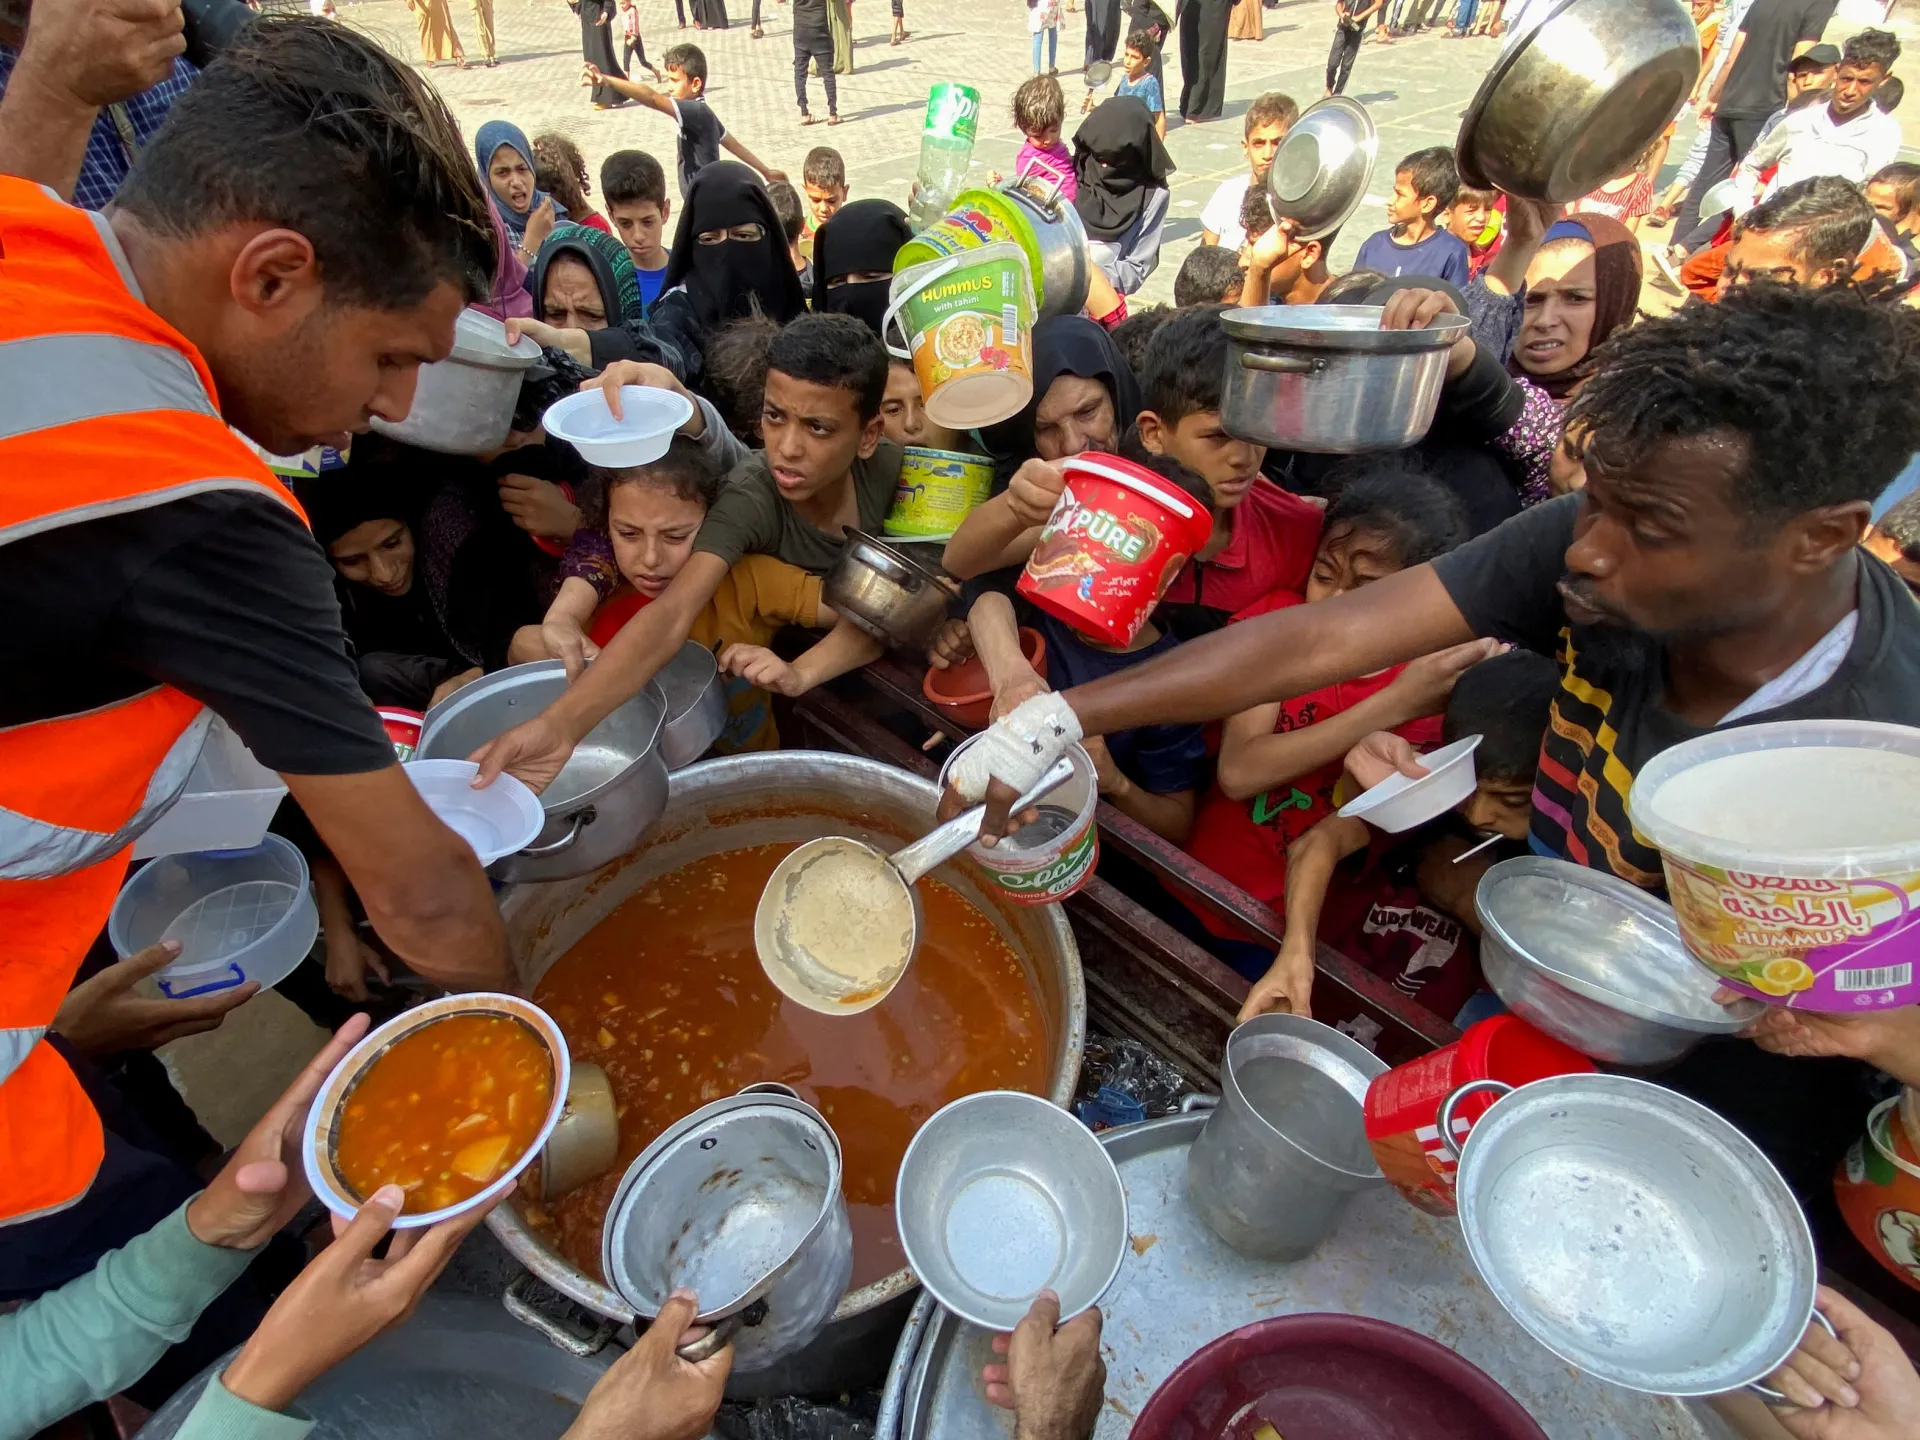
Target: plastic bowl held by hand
[(319, 1139), (239, 915), (1002, 1195), (497, 821), (1401, 802), (648, 419), (961, 692)]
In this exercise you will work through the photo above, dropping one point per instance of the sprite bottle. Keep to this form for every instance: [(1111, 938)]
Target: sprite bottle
[(946, 149)]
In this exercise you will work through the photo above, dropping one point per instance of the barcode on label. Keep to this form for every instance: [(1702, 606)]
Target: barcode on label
[(1010, 325), (1885, 978)]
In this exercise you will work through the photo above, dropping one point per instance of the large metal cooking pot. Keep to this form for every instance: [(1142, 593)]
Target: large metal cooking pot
[(463, 405), (1328, 380), (759, 799), (600, 803), (1060, 237), (1572, 101)]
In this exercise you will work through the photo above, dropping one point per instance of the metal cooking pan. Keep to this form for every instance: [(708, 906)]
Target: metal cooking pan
[(1634, 1233)]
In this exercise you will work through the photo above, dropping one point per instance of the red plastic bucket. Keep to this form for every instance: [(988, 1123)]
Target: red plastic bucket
[(1117, 537), (1403, 1105), (403, 729)]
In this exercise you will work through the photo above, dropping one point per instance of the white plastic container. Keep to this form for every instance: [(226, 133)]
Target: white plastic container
[(240, 915), (1055, 856), (227, 805), (1792, 856), (648, 418), (1400, 802), (496, 822)]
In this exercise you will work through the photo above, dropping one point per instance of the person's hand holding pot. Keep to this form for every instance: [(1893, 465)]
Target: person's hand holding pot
[(105, 1014), (1417, 310), (1054, 1379)]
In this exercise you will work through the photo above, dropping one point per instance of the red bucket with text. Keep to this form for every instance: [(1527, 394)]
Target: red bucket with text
[(403, 729), (1403, 1105), (1118, 535)]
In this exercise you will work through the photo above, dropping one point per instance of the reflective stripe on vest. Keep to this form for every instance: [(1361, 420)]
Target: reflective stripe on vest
[(33, 849), (15, 1045), (54, 380)]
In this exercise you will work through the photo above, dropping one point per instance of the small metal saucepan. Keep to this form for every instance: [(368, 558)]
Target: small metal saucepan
[(886, 592), (696, 704), (1328, 380), (741, 1203), (1634, 1233)]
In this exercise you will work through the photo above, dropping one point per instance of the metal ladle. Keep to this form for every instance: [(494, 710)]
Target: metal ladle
[(812, 980)]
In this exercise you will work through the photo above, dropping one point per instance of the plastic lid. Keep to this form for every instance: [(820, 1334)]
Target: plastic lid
[(1136, 479), (967, 402)]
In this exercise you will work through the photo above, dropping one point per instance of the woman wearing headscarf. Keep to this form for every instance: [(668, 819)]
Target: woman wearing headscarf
[(1122, 170), (597, 31), (729, 259), (583, 279), (840, 27), (710, 14), (853, 259), (505, 158), (1084, 398)]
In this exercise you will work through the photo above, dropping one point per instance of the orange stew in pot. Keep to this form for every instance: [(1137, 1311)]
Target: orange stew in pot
[(667, 995), (445, 1111)]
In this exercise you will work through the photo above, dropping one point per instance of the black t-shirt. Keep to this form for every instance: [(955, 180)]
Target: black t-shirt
[(1757, 84), (1608, 719), (223, 595), (700, 135)]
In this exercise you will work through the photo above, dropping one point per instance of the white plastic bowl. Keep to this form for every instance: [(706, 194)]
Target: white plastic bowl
[(497, 821), (239, 915), (1399, 802), (317, 1141), (649, 416)]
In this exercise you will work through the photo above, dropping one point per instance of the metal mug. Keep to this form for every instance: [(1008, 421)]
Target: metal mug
[(1286, 1145)]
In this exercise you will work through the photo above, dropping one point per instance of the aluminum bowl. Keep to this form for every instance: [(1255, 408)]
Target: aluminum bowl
[(887, 593), (1636, 1234), (1322, 169), (1572, 101), (696, 704), (1002, 1195), (1597, 963)]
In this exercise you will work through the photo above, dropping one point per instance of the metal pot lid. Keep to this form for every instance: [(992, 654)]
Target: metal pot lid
[(704, 1159), (479, 339), (1636, 1234), (1322, 169), (1607, 940), (1338, 327)]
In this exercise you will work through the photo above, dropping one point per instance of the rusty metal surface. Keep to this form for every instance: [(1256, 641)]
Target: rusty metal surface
[(1180, 1288)]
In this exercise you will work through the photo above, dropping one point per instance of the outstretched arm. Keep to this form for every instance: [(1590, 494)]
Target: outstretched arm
[(747, 157)]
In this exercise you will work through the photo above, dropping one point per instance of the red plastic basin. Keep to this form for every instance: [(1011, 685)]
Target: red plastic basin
[(1331, 1377), (961, 692)]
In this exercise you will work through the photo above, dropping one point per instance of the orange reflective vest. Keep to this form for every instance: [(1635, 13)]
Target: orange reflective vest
[(104, 409)]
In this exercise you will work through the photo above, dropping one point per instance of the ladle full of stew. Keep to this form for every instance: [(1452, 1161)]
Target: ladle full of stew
[(839, 920)]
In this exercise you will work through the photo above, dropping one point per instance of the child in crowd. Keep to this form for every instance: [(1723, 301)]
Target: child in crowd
[(735, 379), (1043, 19), (1210, 275), (904, 418), (631, 41), (651, 517), (824, 177), (793, 224), (1412, 243), (1268, 120), (1350, 19), (1137, 61), (702, 136), (1627, 197), (1039, 110), (560, 170), (813, 45), (635, 188), (1263, 538), (1894, 193), (1475, 220), (1150, 773), (1895, 538), (1279, 763), (1399, 904), (1256, 219), (1134, 334)]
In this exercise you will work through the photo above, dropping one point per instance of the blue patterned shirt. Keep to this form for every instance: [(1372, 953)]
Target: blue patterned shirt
[(108, 158)]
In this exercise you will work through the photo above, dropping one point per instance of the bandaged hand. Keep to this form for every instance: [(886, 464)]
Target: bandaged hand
[(1017, 748)]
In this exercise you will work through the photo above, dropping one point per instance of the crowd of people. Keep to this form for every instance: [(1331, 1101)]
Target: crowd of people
[(1618, 533)]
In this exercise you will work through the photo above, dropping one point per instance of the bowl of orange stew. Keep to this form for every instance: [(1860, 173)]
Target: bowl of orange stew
[(449, 1101)]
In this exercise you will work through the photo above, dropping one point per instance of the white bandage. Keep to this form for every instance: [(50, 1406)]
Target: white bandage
[(1017, 748)]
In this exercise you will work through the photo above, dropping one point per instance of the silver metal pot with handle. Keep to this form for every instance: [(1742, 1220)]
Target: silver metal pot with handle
[(600, 804), (463, 405), (886, 593), (1328, 380), (1060, 238), (1634, 1233)]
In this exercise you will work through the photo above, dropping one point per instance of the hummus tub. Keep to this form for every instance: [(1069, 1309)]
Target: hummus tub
[(968, 322), (1792, 857), (1118, 535)]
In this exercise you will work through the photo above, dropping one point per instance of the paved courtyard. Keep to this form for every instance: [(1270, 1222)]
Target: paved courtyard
[(1415, 89)]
